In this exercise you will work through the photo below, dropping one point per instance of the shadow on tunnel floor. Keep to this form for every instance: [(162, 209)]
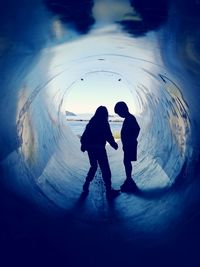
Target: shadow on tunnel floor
[(29, 237)]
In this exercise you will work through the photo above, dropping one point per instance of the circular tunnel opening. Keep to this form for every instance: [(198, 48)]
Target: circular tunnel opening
[(148, 49), (145, 51), (50, 151)]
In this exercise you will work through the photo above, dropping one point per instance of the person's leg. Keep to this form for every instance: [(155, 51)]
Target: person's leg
[(105, 168), (92, 170), (129, 185), (128, 167)]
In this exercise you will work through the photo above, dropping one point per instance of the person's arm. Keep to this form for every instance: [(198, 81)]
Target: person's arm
[(110, 139), (137, 129), (84, 139), (134, 128)]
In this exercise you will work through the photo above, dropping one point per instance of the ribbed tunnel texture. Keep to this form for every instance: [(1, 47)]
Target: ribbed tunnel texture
[(55, 52)]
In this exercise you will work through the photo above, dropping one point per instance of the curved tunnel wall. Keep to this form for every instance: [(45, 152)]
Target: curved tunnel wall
[(39, 153)]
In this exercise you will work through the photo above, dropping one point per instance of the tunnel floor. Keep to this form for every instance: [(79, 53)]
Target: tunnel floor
[(34, 238)]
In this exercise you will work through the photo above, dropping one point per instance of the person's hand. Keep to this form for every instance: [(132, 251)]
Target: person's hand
[(115, 146), (83, 148)]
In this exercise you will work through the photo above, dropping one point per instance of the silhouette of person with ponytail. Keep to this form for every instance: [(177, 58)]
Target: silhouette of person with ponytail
[(93, 140)]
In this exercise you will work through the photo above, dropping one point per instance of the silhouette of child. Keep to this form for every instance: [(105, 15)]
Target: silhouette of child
[(129, 133), (93, 140)]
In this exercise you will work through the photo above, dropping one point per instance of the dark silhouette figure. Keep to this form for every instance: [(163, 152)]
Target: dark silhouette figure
[(129, 133), (93, 140)]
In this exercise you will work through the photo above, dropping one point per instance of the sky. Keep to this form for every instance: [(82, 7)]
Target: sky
[(89, 68), (95, 89)]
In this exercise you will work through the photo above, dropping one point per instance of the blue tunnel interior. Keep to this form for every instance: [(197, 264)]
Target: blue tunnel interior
[(149, 51)]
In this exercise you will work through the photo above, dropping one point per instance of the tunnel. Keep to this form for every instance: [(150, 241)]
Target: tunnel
[(148, 52)]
